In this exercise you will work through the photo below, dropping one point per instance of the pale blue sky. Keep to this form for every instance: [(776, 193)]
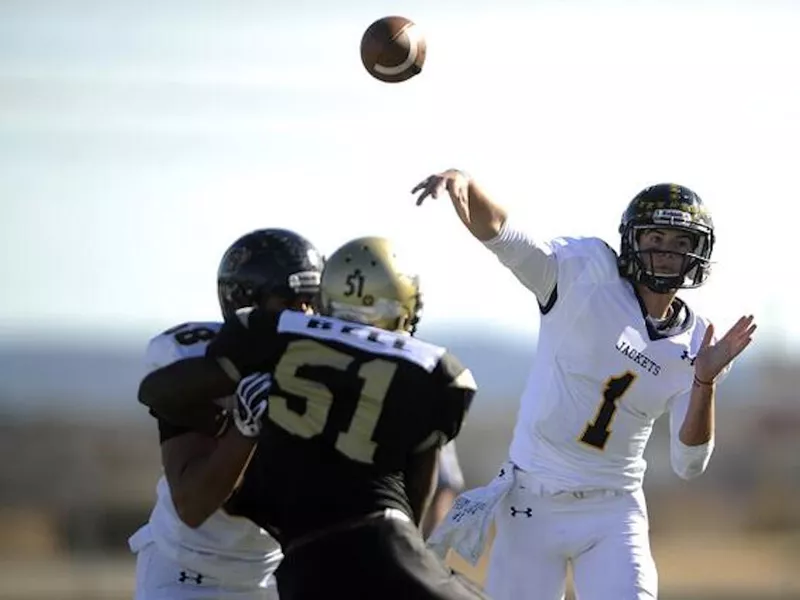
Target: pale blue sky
[(138, 139)]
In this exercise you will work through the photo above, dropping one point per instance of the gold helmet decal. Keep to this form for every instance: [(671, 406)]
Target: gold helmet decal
[(364, 281)]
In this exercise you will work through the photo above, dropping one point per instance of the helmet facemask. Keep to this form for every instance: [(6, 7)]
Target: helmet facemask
[(639, 265)]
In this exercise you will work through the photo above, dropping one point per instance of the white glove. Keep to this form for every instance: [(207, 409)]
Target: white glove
[(252, 396)]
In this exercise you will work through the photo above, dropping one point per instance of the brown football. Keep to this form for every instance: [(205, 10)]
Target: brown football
[(393, 49)]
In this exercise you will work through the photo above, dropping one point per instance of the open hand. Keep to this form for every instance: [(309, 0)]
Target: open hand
[(712, 359)]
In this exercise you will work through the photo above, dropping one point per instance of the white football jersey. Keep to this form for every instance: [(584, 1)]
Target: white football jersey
[(224, 546), (602, 372)]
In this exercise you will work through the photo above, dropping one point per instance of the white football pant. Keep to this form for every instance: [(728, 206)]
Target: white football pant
[(160, 578), (604, 534)]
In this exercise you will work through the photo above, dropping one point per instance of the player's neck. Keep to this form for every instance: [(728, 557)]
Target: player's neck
[(658, 306)]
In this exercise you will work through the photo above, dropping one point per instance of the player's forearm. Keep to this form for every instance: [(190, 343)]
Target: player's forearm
[(420, 499), (207, 481), (421, 482), (486, 217), (691, 451), (441, 503), (698, 424)]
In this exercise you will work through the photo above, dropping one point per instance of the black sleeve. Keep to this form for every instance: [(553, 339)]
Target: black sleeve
[(184, 393), (453, 390), (214, 428), (248, 342), (166, 430)]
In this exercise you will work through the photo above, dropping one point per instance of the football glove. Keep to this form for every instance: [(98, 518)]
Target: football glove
[(252, 396)]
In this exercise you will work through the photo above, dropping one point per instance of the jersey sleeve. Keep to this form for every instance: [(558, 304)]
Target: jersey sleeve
[(248, 342), (160, 353), (454, 388), (581, 262), (182, 341), (532, 263), (552, 269), (167, 430), (687, 461)]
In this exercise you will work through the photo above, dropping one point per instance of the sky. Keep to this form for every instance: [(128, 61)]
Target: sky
[(139, 139)]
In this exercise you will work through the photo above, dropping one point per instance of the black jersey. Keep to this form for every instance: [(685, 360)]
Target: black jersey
[(349, 405)]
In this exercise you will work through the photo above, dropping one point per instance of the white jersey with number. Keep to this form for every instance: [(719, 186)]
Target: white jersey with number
[(602, 373), (225, 547)]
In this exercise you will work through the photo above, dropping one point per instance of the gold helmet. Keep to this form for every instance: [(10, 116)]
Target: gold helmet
[(363, 281)]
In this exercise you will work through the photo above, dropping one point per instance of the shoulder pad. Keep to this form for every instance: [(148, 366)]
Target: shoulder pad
[(456, 374), (584, 258), (187, 340), (363, 337)]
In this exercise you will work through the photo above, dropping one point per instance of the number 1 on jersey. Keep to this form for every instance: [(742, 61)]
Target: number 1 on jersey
[(597, 431)]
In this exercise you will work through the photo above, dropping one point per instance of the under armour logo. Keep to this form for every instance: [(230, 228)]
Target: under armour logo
[(690, 359), (184, 577), (502, 472), (528, 512)]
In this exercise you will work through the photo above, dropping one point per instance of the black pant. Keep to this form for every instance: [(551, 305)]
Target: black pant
[(382, 559)]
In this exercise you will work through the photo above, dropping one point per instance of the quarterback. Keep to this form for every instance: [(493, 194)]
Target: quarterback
[(617, 349)]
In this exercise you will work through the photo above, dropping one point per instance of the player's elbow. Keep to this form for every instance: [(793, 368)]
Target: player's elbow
[(152, 391), (191, 513), (688, 472), (689, 462)]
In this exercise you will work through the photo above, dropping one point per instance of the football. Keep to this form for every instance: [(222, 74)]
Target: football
[(393, 49)]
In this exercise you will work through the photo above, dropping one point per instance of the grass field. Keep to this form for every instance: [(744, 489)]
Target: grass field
[(709, 568)]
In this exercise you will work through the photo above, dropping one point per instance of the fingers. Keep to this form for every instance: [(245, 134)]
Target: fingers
[(742, 329), (254, 385), (432, 186), (747, 326), (740, 335), (421, 185), (709, 335)]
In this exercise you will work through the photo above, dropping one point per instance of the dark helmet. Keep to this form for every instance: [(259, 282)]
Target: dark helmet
[(267, 262), (666, 206)]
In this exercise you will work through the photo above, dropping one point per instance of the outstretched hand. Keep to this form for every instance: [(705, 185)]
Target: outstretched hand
[(712, 359), (453, 181)]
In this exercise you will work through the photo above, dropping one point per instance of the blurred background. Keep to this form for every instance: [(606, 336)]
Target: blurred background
[(139, 139)]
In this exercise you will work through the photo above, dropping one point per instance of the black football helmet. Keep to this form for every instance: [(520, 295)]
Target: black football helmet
[(267, 262), (666, 206)]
